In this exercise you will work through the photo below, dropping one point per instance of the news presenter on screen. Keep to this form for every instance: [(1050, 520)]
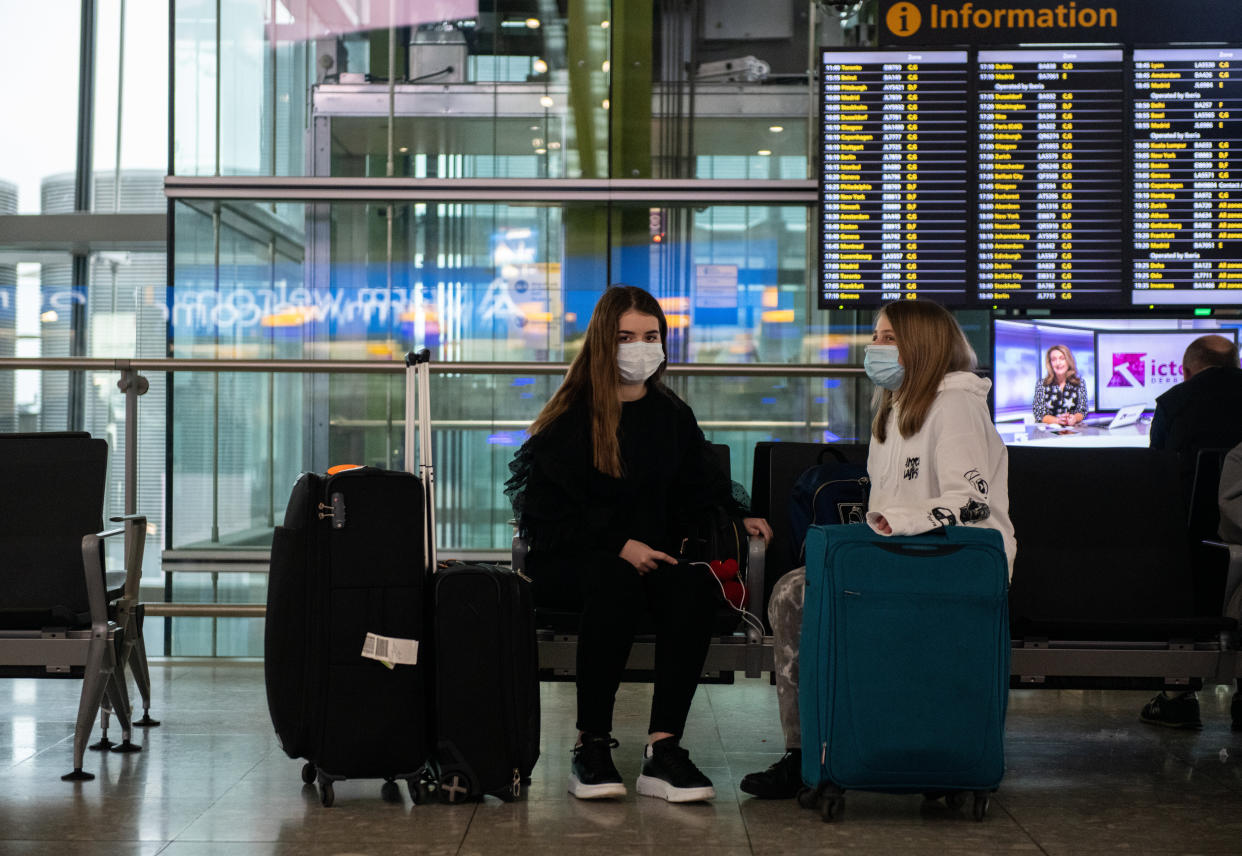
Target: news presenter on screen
[(1061, 397)]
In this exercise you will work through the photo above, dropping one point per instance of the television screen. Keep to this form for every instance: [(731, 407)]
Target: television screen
[(1050, 166), (1076, 179), (1124, 364), (893, 177)]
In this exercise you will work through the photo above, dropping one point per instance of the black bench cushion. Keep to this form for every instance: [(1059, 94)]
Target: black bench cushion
[(1103, 551), (53, 496)]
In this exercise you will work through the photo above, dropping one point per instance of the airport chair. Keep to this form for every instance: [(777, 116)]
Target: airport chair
[(1106, 582), (776, 468), (58, 617), (1203, 514)]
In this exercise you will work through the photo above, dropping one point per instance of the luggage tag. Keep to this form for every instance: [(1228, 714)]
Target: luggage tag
[(390, 650)]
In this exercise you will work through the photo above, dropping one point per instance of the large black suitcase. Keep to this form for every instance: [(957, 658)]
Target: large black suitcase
[(344, 566), (487, 681), (347, 673)]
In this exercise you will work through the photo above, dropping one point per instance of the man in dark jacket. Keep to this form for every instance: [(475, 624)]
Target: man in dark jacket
[(1202, 412)]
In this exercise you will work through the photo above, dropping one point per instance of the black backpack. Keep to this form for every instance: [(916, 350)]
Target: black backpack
[(827, 493)]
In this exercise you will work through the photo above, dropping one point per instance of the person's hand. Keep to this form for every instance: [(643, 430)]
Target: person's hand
[(882, 526), (758, 526), (1049, 419), (644, 558), (1075, 418), (1062, 419)]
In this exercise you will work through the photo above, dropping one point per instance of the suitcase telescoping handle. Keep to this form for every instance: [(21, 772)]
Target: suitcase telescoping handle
[(942, 541), (418, 421)]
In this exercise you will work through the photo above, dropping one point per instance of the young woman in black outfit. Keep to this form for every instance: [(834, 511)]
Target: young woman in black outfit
[(614, 469)]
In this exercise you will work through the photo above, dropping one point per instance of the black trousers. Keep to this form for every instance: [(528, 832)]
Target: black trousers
[(612, 597)]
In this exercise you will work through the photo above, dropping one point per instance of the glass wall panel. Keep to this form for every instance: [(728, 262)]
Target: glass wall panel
[(120, 312), (240, 76), (39, 62), (131, 106), (475, 283), (509, 89)]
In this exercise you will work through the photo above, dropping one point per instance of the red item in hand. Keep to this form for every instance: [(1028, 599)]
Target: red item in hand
[(736, 594), (724, 570)]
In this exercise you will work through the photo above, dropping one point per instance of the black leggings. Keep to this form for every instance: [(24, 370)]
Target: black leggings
[(612, 596)]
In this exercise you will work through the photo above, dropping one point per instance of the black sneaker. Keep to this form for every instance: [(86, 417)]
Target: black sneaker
[(1180, 711), (592, 775), (781, 781), (668, 773)]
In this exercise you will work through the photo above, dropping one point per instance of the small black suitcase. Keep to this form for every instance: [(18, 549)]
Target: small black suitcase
[(487, 681), (344, 566)]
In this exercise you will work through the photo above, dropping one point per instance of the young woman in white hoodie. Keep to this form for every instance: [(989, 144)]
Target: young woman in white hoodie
[(935, 460)]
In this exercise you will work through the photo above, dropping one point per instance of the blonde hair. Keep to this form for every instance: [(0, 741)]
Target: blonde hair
[(930, 344), (1071, 375), (595, 378)]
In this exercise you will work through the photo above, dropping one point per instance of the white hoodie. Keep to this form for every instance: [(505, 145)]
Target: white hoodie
[(954, 470)]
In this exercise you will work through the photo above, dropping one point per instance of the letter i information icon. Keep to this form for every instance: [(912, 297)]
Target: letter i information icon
[(903, 19)]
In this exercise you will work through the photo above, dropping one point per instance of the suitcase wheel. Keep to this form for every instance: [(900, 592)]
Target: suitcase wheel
[(308, 773), (326, 794), (419, 790), (980, 809), (831, 807), (454, 788), (954, 800), (808, 797), (389, 792)]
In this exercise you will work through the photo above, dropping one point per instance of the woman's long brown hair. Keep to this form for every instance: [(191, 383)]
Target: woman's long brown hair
[(1071, 373), (595, 378), (930, 344)]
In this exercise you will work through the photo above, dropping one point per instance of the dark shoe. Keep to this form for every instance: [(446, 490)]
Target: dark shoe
[(668, 773), (1180, 711), (592, 775), (781, 781)]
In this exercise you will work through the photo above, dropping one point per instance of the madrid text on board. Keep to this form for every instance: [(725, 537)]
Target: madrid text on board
[(905, 19)]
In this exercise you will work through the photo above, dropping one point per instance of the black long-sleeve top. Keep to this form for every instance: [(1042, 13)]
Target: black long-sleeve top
[(669, 472), (1051, 399)]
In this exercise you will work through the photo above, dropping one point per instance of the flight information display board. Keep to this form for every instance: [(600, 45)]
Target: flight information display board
[(894, 177), (1051, 165), (1187, 137)]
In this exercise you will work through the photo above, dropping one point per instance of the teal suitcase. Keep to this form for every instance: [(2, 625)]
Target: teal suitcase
[(904, 665)]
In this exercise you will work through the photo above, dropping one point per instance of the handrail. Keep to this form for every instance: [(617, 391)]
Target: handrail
[(548, 191), (397, 367), (133, 384)]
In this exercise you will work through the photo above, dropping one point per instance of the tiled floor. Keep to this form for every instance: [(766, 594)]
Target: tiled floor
[(1085, 776)]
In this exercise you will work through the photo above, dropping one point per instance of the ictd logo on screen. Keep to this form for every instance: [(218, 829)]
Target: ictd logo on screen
[(1136, 370), (1128, 370)]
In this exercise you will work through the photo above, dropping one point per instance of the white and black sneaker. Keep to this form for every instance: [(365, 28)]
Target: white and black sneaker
[(668, 773), (592, 775)]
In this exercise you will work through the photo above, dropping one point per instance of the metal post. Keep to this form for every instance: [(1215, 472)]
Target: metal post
[(76, 417), (120, 100), (219, 84)]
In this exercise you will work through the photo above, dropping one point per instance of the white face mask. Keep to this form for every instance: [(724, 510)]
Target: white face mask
[(639, 360)]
